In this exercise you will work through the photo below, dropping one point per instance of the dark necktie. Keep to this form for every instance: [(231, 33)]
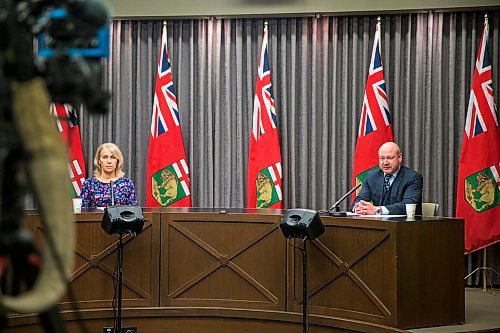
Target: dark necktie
[(387, 185)]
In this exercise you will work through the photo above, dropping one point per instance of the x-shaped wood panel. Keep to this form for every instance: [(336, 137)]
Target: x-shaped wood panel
[(223, 260), (346, 268), (97, 260)]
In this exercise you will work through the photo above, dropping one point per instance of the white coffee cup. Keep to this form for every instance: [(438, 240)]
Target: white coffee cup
[(77, 205), (410, 210)]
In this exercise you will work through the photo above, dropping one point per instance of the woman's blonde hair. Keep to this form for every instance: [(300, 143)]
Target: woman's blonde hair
[(116, 152)]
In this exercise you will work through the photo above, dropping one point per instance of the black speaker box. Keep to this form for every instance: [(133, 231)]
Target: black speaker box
[(122, 219), (298, 223)]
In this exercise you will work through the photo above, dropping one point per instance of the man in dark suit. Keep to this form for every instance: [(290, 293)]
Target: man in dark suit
[(388, 189)]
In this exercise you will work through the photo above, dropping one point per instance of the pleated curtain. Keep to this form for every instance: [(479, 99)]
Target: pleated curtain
[(318, 71)]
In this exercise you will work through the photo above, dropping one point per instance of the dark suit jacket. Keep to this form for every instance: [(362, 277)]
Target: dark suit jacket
[(406, 188)]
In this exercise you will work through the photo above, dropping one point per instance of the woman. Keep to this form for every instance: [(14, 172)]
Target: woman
[(96, 191)]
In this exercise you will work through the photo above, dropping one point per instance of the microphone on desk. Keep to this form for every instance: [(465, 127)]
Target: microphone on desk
[(334, 210), (112, 193)]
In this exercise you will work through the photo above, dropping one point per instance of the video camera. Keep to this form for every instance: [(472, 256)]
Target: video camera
[(72, 38), (33, 157)]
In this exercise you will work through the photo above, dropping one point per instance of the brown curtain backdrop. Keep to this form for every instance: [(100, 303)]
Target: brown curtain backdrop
[(318, 70)]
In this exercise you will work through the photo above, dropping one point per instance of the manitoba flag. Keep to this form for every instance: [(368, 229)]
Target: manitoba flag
[(478, 190), (168, 173), (375, 125), (264, 162), (68, 125)]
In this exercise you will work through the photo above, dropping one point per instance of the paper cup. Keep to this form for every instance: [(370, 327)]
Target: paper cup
[(77, 205), (410, 210)]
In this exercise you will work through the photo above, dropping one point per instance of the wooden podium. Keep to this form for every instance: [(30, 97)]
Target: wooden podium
[(201, 269)]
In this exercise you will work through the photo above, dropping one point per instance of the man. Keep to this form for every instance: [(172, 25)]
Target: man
[(388, 189)]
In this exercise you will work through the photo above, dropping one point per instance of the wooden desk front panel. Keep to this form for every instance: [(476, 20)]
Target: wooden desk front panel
[(226, 260), (96, 259), (400, 274), (431, 286)]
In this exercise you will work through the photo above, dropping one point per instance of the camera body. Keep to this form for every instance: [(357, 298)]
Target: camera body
[(72, 38), (71, 43), (59, 35)]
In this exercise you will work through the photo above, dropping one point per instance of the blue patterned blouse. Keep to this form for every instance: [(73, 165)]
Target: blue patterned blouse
[(98, 194)]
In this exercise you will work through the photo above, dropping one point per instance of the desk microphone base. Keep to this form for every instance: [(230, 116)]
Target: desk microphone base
[(337, 214)]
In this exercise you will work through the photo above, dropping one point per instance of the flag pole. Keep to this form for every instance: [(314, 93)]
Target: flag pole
[(484, 269)]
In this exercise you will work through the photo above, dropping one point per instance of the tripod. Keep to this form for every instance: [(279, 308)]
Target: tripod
[(484, 268)]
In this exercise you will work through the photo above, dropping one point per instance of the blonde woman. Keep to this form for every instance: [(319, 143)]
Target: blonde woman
[(96, 191)]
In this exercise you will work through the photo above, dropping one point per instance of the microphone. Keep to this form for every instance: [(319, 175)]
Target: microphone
[(112, 193), (336, 204)]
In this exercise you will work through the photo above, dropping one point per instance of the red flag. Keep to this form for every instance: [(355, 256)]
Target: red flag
[(264, 161), (375, 125), (168, 173), (478, 190), (69, 126)]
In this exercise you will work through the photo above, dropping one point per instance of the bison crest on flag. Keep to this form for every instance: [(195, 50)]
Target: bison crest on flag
[(482, 189), (171, 183), (268, 188)]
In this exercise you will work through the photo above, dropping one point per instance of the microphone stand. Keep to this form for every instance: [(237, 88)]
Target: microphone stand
[(337, 212)]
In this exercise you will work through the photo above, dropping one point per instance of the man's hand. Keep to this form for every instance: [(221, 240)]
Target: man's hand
[(364, 208)]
